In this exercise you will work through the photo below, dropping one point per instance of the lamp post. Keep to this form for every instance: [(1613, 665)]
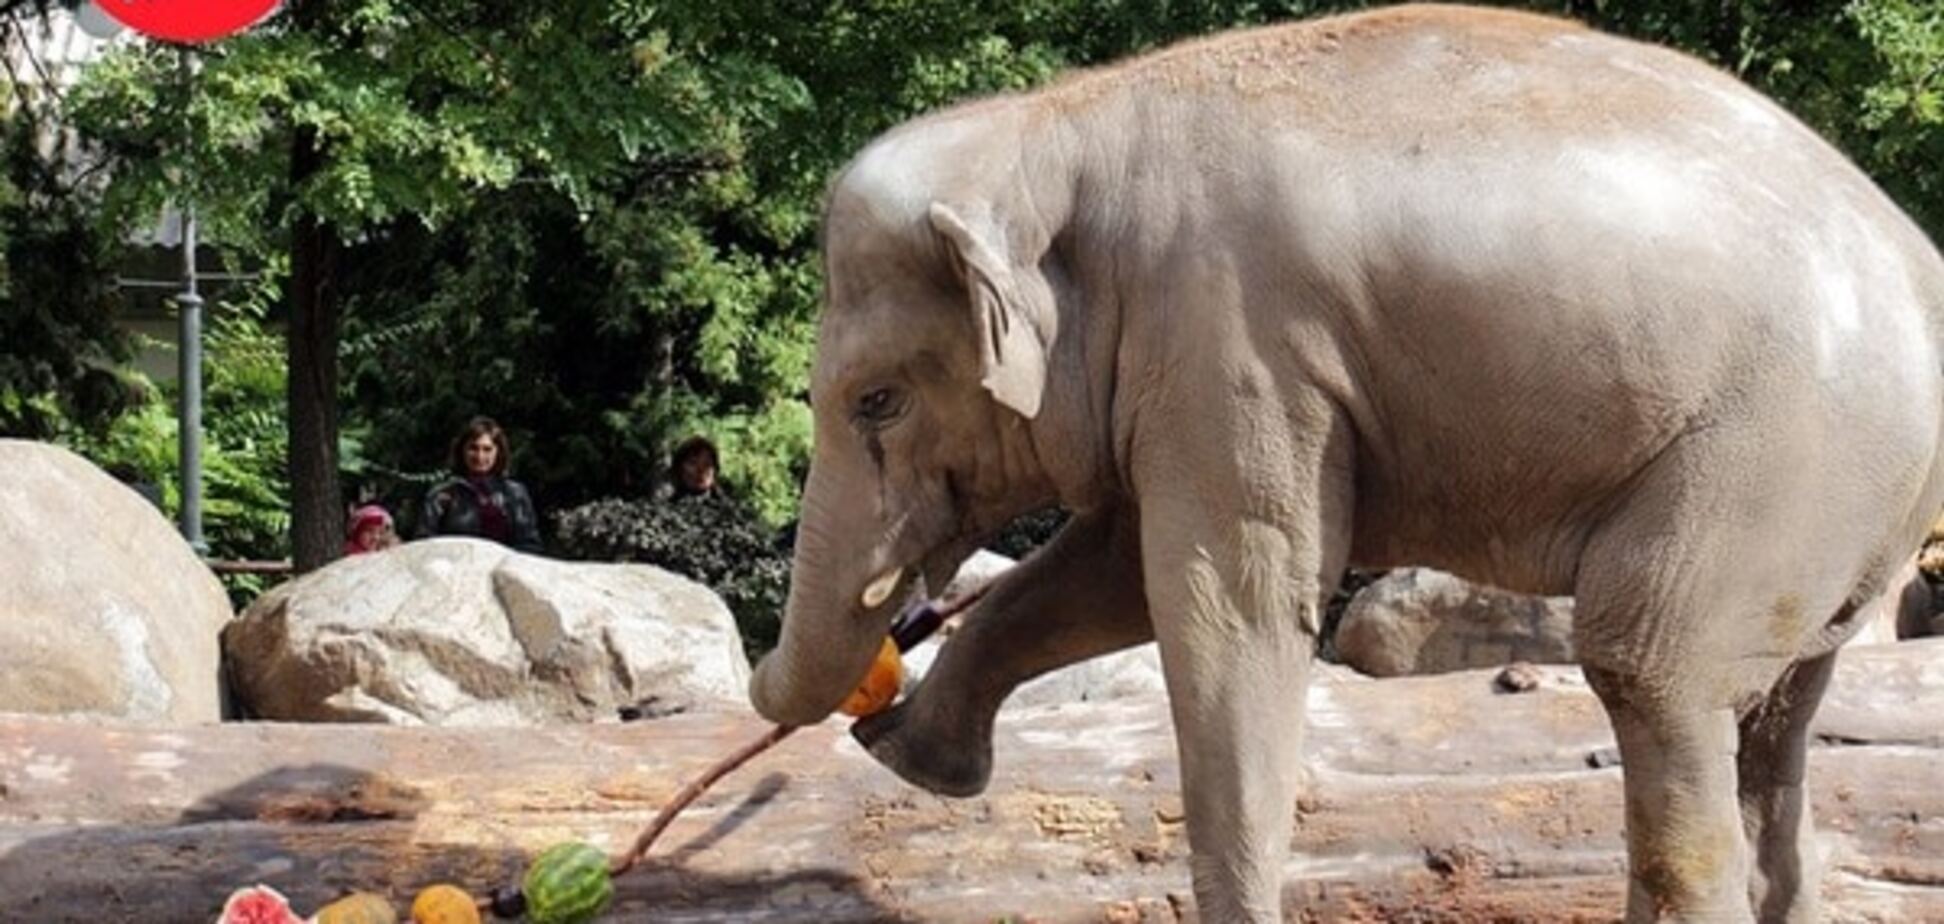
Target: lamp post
[(189, 309), (185, 22), (189, 306)]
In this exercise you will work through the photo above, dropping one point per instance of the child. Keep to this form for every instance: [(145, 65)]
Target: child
[(370, 530)]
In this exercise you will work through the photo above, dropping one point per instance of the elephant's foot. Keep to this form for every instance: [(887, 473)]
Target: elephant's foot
[(949, 764)]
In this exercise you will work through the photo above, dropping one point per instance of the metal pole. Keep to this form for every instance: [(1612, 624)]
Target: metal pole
[(190, 305)]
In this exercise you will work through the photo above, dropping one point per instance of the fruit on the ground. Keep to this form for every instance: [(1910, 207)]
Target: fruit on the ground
[(357, 908), (444, 904), (508, 903), (257, 905), (567, 884), (880, 684)]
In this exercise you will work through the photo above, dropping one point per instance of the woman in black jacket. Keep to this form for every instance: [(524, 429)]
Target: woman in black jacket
[(480, 500)]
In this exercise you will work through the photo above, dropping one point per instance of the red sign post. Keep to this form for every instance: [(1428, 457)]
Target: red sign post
[(187, 20)]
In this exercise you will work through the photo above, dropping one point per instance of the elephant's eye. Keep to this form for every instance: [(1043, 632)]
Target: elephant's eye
[(879, 406)]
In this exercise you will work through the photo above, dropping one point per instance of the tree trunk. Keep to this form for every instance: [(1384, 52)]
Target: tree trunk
[(661, 381), (1430, 799), (316, 511)]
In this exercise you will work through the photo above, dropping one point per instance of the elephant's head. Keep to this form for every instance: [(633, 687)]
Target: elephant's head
[(932, 362)]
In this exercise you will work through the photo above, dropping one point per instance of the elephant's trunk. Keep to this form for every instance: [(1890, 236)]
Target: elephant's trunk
[(829, 634)]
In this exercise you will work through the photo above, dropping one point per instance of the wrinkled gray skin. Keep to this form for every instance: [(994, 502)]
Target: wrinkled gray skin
[(1545, 308)]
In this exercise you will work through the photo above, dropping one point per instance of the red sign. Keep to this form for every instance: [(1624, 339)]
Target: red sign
[(187, 20)]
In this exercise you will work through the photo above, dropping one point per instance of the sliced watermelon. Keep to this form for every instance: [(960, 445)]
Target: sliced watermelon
[(257, 904)]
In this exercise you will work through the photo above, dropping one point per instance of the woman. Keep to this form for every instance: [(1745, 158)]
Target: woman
[(692, 471), (480, 500)]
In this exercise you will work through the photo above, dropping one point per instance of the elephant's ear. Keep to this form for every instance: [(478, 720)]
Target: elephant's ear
[(1012, 355)]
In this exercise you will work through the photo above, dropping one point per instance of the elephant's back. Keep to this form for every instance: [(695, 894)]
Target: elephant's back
[(1563, 247), (1472, 155)]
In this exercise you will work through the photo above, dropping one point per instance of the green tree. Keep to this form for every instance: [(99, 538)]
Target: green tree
[(63, 357), (595, 220), (340, 122)]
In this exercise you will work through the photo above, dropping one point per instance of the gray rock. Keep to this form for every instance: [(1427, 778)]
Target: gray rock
[(104, 611), (983, 566), (1131, 674), (1084, 814), (1128, 674), (467, 632), (1420, 621)]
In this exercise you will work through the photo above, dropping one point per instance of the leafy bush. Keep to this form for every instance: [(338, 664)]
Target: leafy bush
[(715, 541), (1028, 532), (60, 350)]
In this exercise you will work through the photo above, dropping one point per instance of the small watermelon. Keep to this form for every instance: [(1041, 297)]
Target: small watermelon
[(567, 884), (444, 904), (257, 905), (356, 908), (880, 684)]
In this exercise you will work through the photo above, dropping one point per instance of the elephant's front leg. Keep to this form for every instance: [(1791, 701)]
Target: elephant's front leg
[(1078, 597), (1239, 552)]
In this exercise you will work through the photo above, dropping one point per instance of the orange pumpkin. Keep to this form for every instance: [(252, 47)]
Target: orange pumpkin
[(880, 686), (444, 904)]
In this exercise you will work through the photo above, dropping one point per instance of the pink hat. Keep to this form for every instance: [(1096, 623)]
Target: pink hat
[(368, 515), (364, 519)]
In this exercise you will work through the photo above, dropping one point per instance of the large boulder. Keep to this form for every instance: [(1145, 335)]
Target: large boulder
[(1421, 621), (468, 632), (1132, 674), (981, 568), (106, 612), (1129, 674)]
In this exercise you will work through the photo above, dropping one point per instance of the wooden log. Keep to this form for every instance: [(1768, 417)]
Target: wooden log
[(1431, 799)]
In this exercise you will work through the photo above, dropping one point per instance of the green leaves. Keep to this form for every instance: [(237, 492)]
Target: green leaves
[(60, 350), (595, 219), (1903, 110)]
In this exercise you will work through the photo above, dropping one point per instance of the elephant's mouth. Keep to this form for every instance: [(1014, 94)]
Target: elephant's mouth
[(889, 594), (942, 565), (935, 568)]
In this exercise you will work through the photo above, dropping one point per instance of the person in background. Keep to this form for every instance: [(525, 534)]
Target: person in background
[(370, 530), (480, 500), (692, 470)]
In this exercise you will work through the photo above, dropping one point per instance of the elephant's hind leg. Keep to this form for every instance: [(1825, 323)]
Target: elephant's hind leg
[(1672, 625), (1774, 805), (1697, 593), (1685, 855)]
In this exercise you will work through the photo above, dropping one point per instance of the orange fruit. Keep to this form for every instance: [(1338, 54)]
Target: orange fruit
[(444, 904), (880, 686)]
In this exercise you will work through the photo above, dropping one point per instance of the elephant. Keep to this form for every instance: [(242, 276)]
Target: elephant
[(1487, 291)]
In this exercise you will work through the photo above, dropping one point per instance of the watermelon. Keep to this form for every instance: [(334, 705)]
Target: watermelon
[(257, 905), (567, 884)]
